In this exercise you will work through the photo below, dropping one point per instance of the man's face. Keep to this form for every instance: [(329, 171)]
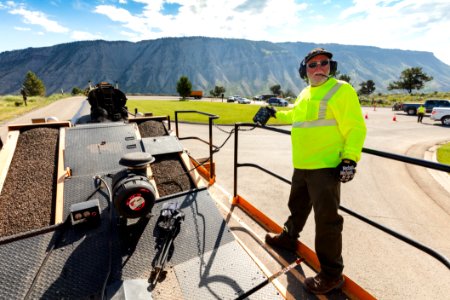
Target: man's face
[(318, 69)]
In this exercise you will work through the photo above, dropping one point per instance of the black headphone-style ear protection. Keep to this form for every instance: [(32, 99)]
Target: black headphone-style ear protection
[(302, 69)]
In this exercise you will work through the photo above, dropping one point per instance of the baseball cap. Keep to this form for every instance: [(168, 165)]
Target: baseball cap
[(317, 51)]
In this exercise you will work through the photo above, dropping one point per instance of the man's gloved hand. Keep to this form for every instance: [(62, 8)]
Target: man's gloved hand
[(272, 111), (347, 170)]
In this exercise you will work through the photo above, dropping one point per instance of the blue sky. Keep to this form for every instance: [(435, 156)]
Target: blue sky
[(399, 24)]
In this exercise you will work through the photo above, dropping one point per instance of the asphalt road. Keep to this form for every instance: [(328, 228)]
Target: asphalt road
[(407, 199)]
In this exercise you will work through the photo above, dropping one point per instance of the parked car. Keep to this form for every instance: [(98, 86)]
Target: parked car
[(277, 102), (233, 98), (242, 100), (411, 108), (441, 114), (397, 106), (265, 97)]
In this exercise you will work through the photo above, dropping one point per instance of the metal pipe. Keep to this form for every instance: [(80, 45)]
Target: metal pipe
[(399, 236), (270, 279), (403, 158), (410, 160), (176, 124), (266, 171), (211, 163), (236, 127)]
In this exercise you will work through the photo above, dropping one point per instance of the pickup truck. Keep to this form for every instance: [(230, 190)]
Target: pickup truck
[(441, 114), (411, 108)]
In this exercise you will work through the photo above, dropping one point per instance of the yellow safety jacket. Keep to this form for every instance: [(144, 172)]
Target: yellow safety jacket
[(421, 110), (327, 125)]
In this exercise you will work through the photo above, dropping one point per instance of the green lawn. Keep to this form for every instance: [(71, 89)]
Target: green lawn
[(443, 154), (229, 113)]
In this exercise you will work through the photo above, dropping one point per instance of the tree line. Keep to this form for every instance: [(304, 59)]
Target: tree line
[(410, 79)]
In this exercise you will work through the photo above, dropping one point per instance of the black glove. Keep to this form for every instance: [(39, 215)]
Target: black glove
[(347, 170), (272, 111)]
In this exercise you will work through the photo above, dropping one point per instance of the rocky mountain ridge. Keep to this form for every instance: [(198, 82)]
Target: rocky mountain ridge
[(241, 66)]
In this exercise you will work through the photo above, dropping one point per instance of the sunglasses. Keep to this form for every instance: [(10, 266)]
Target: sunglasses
[(315, 64)]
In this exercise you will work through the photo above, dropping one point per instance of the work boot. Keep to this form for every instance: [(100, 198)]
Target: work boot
[(282, 240), (322, 285)]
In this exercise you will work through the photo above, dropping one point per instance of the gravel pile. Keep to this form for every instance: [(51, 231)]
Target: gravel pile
[(168, 170), (152, 129), (170, 175), (29, 190)]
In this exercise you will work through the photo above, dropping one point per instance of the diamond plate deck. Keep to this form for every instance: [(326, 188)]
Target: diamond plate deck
[(162, 145), (19, 261), (207, 262), (89, 150), (223, 273)]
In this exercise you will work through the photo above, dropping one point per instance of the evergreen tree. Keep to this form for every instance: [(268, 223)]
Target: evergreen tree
[(184, 87), (276, 89), (33, 85), (367, 87), (344, 77), (410, 79), (218, 91), (76, 91)]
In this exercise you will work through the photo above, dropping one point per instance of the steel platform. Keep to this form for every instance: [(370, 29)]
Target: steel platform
[(80, 262)]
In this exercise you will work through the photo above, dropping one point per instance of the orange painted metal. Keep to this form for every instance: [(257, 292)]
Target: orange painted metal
[(204, 170)]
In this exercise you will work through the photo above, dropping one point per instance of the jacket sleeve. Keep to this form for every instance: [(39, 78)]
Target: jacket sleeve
[(288, 115), (285, 116), (350, 121)]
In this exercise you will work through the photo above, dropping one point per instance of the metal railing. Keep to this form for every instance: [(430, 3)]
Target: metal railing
[(410, 160), (211, 119)]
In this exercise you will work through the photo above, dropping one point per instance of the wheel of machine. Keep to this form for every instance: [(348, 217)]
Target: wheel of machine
[(445, 121), (411, 111)]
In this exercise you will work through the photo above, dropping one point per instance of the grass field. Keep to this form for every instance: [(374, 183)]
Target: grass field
[(229, 113), (12, 106), (443, 154)]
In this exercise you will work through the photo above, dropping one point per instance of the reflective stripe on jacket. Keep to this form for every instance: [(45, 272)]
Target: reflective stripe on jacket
[(327, 125)]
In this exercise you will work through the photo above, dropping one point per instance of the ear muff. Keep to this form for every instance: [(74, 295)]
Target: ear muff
[(302, 69), (333, 67)]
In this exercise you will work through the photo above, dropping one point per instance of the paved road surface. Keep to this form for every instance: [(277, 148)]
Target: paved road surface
[(405, 198)]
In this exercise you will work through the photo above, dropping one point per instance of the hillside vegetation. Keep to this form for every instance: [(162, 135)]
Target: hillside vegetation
[(12, 106)]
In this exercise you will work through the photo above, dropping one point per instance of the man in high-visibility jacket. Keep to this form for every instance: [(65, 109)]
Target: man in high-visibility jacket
[(420, 113), (328, 133)]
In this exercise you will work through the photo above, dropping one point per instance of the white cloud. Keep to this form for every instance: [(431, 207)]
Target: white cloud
[(8, 5), (22, 28), (408, 24), (250, 19), (39, 18), (83, 35), (403, 24)]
